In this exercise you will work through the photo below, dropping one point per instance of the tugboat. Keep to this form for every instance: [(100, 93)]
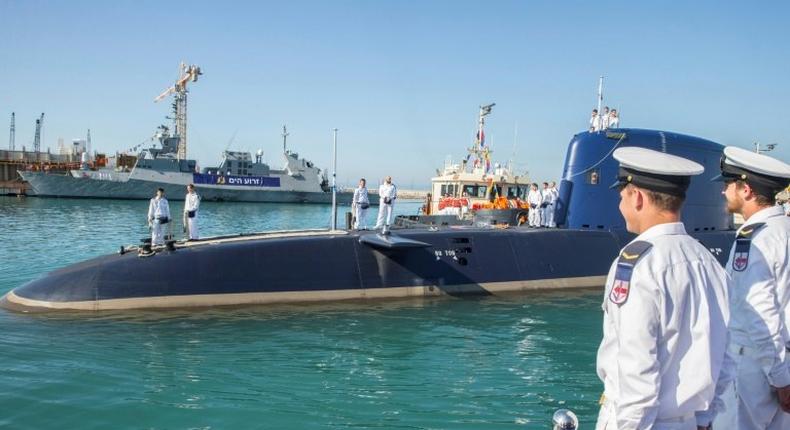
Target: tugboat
[(306, 266), (476, 190)]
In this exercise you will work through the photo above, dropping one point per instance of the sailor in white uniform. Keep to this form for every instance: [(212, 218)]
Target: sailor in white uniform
[(614, 120), (759, 267), (547, 204), (595, 121), (605, 117), (387, 195), (555, 195), (158, 216), (534, 199), (665, 304), (191, 206), (360, 204)]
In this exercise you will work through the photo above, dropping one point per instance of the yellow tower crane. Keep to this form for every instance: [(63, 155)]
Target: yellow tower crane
[(187, 74)]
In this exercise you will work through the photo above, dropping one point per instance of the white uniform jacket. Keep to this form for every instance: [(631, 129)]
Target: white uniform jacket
[(761, 293), (547, 196), (360, 197), (191, 202), (534, 198), (664, 345), (595, 122), (158, 208), (388, 190)]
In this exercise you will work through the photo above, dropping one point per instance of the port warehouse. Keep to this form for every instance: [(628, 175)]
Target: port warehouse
[(13, 161)]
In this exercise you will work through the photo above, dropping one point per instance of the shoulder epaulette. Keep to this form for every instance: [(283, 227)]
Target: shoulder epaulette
[(747, 231), (743, 243), (629, 256)]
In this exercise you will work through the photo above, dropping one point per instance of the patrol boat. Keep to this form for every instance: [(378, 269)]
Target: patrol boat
[(238, 178), (305, 266)]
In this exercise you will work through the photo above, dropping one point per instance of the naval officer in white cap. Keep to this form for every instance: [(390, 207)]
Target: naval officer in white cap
[(759, 267), (665, 304)]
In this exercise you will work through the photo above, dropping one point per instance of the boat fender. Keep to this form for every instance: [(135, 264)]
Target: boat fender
[(743, 241), (629, 256)]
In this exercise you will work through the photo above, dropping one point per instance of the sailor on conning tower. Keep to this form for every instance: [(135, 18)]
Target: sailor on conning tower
[(759, 266), (665, 304)]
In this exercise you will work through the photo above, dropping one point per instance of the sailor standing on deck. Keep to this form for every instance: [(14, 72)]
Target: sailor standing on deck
[(545, 205), (158, 216), (665, 304), (534, 199), (191, 205), (387, 195), (555, 195), (759, 266), (360, 204)]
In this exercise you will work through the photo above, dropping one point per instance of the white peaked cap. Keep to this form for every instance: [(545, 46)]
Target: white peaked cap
[(659, 163), (757, 163)]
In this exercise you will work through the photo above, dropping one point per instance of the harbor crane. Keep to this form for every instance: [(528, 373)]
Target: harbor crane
[(12, 134), (187, 74), (37, 138)]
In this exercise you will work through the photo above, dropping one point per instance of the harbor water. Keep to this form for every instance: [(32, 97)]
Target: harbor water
[(446, 363)]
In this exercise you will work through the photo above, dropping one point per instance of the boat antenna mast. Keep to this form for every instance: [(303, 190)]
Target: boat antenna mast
[(285, 136), (187, 74), (600, 93), (477, 149)]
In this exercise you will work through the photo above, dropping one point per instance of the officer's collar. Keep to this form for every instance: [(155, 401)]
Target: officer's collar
[(764, 214), (665, 229)]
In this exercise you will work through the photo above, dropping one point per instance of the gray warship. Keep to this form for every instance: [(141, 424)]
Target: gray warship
[(237, 178)]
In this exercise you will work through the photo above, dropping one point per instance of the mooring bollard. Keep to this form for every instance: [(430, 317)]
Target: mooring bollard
[(565, 420), (349, 220)]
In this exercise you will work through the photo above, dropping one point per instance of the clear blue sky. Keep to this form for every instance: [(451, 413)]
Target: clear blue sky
[(401, 80)]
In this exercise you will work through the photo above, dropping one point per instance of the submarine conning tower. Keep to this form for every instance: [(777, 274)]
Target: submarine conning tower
[(586, 201)]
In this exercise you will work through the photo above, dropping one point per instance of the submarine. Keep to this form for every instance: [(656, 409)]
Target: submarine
[(420, 260)]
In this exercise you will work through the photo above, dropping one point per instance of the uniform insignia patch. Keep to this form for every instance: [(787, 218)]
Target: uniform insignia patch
[(740, 258), (622, 284), (740, 261)]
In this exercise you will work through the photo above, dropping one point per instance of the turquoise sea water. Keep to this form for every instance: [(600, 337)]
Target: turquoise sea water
[(499, 362)]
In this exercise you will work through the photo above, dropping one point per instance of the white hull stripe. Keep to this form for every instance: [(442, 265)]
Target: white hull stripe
[(207, 300)]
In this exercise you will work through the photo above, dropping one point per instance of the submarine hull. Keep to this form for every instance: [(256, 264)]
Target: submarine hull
[(330, 266), (325, 266)]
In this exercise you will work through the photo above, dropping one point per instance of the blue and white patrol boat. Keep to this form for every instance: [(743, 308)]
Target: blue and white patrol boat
[(420, 261), (238, 178)]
